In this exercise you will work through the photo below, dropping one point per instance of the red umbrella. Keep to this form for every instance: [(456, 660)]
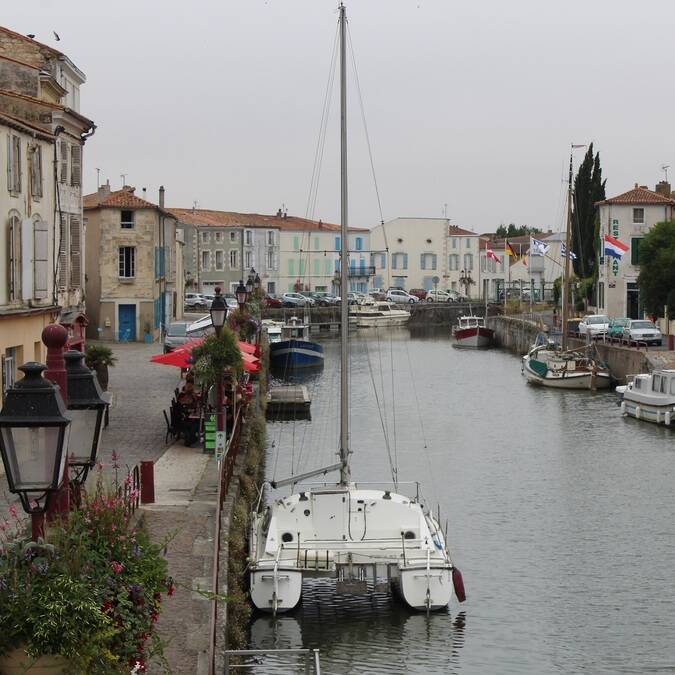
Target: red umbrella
[(247, 347), (182, 357)]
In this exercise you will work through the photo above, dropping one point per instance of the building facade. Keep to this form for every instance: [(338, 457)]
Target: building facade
[(627, 218), (132, 282)]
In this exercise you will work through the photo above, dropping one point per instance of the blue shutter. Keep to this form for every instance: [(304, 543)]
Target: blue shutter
[(405, 261), (434, 261), (422, 261), (359, 243), (394, 261), (337, 243), (384, 261)]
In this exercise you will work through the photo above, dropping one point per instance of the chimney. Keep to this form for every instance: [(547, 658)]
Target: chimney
[(161, 196), (663, 188), (279, 213), (104, 190), (145, 193)]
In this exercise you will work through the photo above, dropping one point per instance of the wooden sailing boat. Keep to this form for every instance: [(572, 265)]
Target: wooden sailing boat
[(556, 366), (350, 533)]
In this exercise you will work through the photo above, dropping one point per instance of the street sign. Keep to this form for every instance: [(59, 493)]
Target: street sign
[(220, 444), (436, 279)]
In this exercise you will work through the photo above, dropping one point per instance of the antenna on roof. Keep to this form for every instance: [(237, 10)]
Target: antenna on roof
[(664, 168), (98, 177), (195, 204), (445, 210), (123, 176)]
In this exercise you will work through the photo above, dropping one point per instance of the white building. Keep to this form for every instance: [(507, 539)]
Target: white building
[(413, 252), (627, 218)]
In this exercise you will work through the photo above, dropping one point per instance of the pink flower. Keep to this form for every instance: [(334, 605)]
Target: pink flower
[(116, 567), (12, 510)]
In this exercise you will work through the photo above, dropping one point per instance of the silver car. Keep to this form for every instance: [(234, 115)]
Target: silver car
[(395, 295), (641, 330), (293, 300), (594, 325)]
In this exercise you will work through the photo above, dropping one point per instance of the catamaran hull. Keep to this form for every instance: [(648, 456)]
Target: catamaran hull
[(296, 354), (276, 591), (423, 588), (476, 337), (567, 380)]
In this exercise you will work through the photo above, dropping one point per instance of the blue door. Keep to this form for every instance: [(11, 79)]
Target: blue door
[(127, 323)]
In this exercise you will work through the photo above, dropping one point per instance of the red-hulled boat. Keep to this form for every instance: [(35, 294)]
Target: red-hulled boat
[(470, 331)]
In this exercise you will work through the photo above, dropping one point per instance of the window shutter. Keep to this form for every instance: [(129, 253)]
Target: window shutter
[(394, 261), (75, 253), (434, 261), (10, 173), (26, 259), (75, 164), (36, 171), (405, 261), (63, 253), (14, 255), (63, 163), (40, 259), (16, 162), (422, 261)]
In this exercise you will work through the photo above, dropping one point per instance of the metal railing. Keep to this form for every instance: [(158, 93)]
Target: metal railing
[(311, 658)]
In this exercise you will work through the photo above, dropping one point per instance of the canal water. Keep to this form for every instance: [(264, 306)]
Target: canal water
[(561, 517)]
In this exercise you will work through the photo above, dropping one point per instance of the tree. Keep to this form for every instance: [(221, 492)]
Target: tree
[(514, 230), (657, 268), (589, 188)]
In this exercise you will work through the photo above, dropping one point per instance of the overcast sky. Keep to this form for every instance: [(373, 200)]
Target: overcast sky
[(469, 104)]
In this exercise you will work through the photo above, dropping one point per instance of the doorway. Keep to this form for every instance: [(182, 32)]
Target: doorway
[(126, 323), (633, 301)]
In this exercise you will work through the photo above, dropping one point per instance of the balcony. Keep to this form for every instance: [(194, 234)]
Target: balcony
[(359, 271)]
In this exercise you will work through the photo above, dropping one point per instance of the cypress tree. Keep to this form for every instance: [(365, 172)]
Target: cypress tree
[(589, 188)]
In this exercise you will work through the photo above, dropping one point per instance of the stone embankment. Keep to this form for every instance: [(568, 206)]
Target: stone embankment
[(517, 335)]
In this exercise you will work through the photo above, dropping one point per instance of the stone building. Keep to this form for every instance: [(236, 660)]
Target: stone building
[(627, 218), (134, 251)]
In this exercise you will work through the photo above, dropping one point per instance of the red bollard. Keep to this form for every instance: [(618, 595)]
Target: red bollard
[(147, 482)]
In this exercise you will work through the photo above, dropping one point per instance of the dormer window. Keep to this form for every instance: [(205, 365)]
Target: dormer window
[(638, 216), (127, 220)]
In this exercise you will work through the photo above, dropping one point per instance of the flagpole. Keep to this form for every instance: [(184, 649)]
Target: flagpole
[(566, 269)]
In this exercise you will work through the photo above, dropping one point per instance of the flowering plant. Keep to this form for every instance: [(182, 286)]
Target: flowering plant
[(91, 591)]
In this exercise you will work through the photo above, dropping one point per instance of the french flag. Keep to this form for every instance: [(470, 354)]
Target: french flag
[(614, 248)]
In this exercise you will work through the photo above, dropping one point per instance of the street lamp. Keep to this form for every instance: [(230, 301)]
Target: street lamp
[(250, 281), (34, 430), (242, 295), (257, 283), (218, 310), (87, 406)]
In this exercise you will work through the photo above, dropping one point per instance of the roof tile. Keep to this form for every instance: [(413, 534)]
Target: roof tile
[(638, 195)]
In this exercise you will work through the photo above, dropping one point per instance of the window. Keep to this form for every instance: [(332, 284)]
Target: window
[(454, 242), (296, 243), (64, 155), (601, 294), (270, 260), (399, 261), (248, 259), (291, 268), (234, 259), (13, 163), (36, 171), (127, 220), (248, 237), (127, 262), (75, 165), (635, 244), (75, 241), (8, 369), (205, 237), (270, 237), (453, 262), (218, 237), (316, 243), (14, 250), (205, 261), (468, 261), (638, 216), (337, 243), (271, 287), (219, 260), (468, 242), (359, 243), (383, 261), (483, 264), (40, 259), (233, 237), (317, 267)]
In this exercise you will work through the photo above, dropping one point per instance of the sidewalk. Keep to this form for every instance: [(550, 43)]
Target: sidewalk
[(186, 487)]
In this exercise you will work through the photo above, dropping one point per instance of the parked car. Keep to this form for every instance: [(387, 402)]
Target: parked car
[(293, 300), (308, 297), (595, 325), (456, 295), (399, 296), (194, 301), (419, 293), (616, 326), (377, 293), (273, 301), (208, 298), (324, 299), (176, 335), (356, 298), (641, 330), (231, 300), (439, 296)]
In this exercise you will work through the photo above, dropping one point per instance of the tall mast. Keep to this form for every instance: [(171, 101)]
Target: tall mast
[(345, 473), (566, 271)]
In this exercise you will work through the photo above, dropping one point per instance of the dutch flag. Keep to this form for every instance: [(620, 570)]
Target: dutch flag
[(613, 247)]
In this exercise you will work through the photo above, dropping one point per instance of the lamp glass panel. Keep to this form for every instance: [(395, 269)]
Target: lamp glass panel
[(84, 426), (218, 317), (32, 453)]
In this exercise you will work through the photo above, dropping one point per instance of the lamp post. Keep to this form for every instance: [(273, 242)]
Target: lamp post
[(34, 428), (87, 406), (218, 314), (250, 281), (242, 295), (257, 283)]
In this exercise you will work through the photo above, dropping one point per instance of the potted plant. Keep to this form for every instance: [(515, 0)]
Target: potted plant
[(215, 355), (86, 598), (99, 358)]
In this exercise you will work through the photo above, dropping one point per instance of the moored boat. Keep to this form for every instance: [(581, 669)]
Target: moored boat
[(294, 349), (471, 331), (650, 397), (377, 313)]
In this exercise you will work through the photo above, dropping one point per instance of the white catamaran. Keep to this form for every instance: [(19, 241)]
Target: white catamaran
[(344, 531)]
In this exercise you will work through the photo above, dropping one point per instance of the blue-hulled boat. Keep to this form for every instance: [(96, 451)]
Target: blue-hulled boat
[(294, 350)]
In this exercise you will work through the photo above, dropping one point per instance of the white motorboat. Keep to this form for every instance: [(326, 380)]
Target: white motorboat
[(650, 397), (471, 331), (346, 531), (377, 313)]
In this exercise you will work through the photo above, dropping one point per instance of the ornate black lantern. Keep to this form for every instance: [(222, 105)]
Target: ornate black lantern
[(242, 294), (34, 429), (250, 281), (218, 311), (257, 283), (87, 405)]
